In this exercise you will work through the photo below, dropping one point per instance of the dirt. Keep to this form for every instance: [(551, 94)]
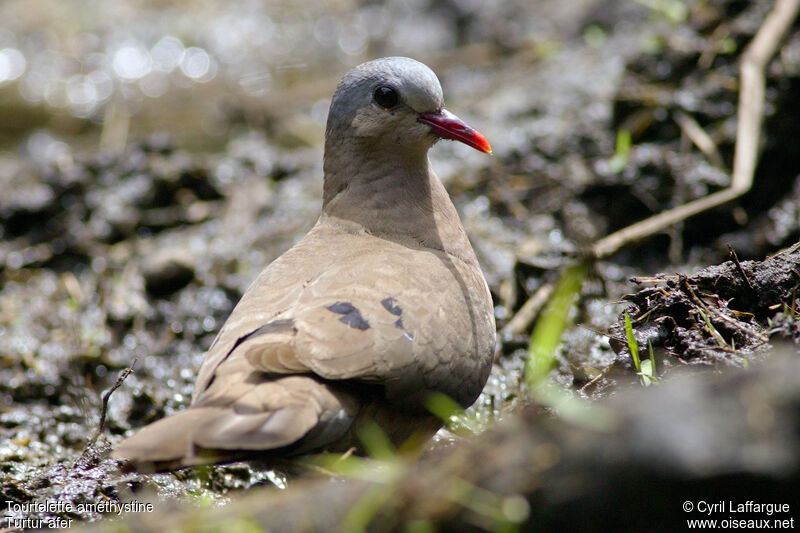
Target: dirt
[(724, 313), (137, 249)]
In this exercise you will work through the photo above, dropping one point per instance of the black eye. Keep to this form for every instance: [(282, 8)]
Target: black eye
[(386, 97)]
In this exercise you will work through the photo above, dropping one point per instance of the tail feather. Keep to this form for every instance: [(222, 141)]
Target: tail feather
[(294, 412), (262, 431), (167, 443)]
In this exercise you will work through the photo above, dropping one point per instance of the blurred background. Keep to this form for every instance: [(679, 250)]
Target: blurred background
[(88, 67), (155, 155)]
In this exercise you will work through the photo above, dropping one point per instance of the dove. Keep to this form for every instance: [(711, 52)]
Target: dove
[(381, 304)]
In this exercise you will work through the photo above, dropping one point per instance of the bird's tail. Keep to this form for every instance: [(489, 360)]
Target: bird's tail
[(169, 443), (292, 414)]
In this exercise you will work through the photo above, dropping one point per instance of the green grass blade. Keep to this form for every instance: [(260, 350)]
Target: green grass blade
[(632, 346), (451, 413), (376, 443), (551, 325)]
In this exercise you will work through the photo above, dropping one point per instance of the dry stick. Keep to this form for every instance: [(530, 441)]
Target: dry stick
[(700, 138), (104, 409), (708, 55), (89, 450), (603, 373), (750, 113), (520, 322), (710, 312), (641, 280), (739, 266)]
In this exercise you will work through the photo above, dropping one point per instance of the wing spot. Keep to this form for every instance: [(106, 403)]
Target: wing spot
[(352, 316), (342, 308), (390, 304)]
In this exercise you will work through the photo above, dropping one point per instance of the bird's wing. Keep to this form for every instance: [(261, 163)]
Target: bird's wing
[(372, 310)]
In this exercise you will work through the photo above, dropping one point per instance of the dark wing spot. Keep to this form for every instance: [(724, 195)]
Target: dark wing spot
[(399, 325), (352, 316), (390, 304), (342, 308), (355, 320)]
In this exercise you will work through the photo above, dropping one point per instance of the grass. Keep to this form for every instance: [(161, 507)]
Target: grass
[(622, 152), (542, 348), (673, 11), (551, 325), (452, 414), (385, 469), (645, 369), (712, 330)]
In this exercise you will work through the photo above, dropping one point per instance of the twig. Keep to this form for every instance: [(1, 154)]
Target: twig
[(89, 450), (603, 373), (750, 112), (707, 57), (104, 409), (527, 313), (739, 266), (741, 327), (641, 280), (700, 138), (710, 312)]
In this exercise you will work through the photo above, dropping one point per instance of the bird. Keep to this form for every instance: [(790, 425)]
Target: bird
[(380, 305)]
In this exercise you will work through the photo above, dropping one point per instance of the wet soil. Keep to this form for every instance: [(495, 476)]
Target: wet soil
[(723, 313), (131, 250)]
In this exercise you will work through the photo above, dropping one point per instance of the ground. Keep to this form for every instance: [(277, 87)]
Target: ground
[(142, 196)]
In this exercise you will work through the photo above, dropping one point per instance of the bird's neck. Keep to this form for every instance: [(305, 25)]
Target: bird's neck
[(394, 195)]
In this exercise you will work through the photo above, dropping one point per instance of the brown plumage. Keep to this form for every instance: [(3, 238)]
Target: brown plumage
[(381, 303)]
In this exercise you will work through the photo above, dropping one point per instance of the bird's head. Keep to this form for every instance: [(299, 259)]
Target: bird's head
[(395, 103)]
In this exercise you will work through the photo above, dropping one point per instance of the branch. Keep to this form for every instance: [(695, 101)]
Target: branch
[(750, 113)]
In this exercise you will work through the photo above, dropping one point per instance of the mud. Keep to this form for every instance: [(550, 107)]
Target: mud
[(136, 210)]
